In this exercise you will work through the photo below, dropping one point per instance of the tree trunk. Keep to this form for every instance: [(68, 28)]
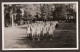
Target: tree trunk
[(12, 20)]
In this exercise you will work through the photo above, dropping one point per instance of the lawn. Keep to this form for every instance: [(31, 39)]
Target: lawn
[(64, 37)]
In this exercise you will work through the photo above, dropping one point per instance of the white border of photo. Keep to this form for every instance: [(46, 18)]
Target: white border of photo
[(77, 36)]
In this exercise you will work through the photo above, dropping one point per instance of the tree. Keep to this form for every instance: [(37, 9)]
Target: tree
[(59, 12), (46, 11)]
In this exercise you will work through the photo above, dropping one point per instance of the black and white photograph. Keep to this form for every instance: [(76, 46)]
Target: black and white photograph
[(40, 26)]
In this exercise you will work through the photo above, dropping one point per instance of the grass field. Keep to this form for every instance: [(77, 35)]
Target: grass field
[(64, 37)]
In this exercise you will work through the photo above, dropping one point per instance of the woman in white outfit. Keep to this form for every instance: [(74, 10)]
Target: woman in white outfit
[(28, 30), (53, 27), (44, 31), (33, 30)]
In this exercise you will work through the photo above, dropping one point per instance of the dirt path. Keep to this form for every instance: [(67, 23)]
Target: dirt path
[(11, 34)]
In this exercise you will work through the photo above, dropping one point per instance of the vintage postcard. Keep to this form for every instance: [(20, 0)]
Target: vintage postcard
[(40, 26)]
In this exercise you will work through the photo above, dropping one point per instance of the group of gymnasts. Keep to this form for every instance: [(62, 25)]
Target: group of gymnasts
[(41, 29)]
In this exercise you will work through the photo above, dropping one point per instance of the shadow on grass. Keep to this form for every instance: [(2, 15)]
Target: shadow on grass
[(61, 39)]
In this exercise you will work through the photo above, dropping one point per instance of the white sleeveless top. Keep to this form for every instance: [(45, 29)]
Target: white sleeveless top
[(28, 30)]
